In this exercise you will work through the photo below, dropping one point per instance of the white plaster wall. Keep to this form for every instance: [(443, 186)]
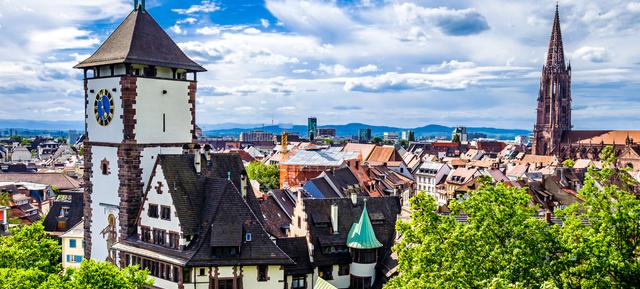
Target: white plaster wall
[(111, 133), (163, 199), (151, 104), (364, 270), (164, 284), (67, 250), (274, 273), (338, 281), (148, 160), (105, 191)]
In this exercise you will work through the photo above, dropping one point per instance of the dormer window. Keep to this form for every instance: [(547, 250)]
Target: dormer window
[(247, 237), (224, 252)]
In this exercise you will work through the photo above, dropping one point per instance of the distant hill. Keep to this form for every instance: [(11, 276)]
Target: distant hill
[(234, 129), (41, 124), (351, 129)]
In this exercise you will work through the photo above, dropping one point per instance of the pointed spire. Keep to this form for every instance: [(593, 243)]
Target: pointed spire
[(555, 56), (362, 235)]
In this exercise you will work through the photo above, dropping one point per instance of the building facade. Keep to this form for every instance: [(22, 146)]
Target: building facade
[(139, 102), (552, 133), (312, 128)]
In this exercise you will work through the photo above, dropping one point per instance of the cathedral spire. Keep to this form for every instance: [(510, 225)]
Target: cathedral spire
[(555, 56)]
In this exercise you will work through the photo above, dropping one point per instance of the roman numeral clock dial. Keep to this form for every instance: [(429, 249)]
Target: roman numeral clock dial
[(103, 107)]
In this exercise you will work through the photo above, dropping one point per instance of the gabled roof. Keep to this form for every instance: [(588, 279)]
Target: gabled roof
[(385, 210), (59, 180), (364, 149), (140, 40), (298, 250), (75, 204), (382, 154), (215, 212), (361, 235)]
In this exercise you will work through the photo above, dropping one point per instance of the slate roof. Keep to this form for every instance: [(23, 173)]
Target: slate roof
[(297, 249), (182, 182), (385, 208), (212, 209), (75, 204), (59, 180), (139, 39)]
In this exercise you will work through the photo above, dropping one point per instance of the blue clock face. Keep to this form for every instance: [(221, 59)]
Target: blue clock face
[(103, 107)]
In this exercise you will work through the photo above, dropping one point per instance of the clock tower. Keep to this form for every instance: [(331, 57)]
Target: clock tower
[(140, 91)]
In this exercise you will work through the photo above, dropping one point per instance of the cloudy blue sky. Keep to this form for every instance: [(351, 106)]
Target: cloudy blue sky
[(402, 63)]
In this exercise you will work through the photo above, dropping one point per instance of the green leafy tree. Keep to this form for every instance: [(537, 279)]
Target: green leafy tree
[(569, 163), (600, 237), (377, 140), (30, 258), (94, 274), (267, 175), (499, 246), (5, 198), (30, 247)]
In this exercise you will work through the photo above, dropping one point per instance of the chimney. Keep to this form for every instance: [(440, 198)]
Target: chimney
[(354, 198), (207, 152), (197, 162), (334, 218), (243, 185)]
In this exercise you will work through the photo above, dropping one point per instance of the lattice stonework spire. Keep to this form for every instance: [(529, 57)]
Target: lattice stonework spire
[(554, 100)]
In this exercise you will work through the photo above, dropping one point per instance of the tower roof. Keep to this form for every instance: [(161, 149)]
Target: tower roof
[(139, 39), (555, 56), (361, 235)]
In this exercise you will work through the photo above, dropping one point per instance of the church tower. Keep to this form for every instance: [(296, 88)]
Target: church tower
[(554, 100), (140, 91)]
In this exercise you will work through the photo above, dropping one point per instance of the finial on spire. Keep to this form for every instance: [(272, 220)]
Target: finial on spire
[(139, 5)]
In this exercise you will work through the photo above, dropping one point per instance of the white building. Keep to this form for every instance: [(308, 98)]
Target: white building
[(429, 176), (73, 246), (140, 102)]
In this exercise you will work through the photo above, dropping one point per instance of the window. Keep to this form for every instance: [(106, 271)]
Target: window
[(221, 252), (343, 270), (364, 256), (225, 284), (145, 234), (201, 272), (165, 213), (360, 282), (153, 211), (74, 258), (325, 272), (104, 167), (298, 282), (247, 237), (72, 243), (262, 273), (159, 236), (174, 240)]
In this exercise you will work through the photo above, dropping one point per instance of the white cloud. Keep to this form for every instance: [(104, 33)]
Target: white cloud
[(265, 23), (251, 30), (449, 65), (367, 68), (208, 30), (177, 29), (335, 70), (204, 7), (593, 54)]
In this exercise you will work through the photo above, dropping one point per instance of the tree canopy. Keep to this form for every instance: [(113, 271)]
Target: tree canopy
[(30, 258), (267, 175), (499, 243)]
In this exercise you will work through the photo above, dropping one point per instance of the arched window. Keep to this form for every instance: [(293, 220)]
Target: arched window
[(104, 167)]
